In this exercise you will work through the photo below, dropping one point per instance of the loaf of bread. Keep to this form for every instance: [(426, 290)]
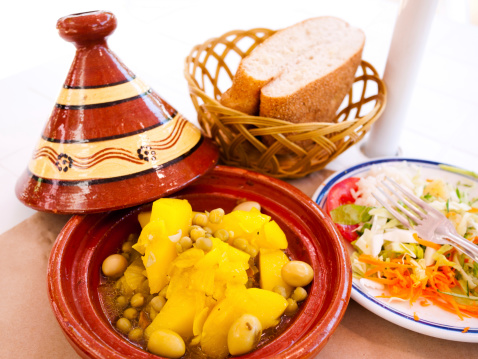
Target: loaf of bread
[(299, 74)]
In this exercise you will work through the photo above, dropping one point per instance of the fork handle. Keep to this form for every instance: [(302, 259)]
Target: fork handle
[(463, 245)]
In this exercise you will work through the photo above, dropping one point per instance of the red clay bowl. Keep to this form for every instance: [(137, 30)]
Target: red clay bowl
[(86, 240)]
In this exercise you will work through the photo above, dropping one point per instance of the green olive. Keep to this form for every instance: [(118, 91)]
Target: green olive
[(247, 206), (130, 313), (222, 234), (127, 247), (136, 334), (291, 306), (204, 243), (197, 232), (299, 294), (114, 265), (158, 302), (244, 334), (297, 273), (216, 215), (123, 325), (137, 300), (166, 343), (200, 219)]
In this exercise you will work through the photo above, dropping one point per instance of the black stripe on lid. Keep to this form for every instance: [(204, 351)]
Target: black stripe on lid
[(99, 86), (101, 105)]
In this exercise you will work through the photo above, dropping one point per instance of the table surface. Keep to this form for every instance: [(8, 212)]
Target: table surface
[(154, 37)]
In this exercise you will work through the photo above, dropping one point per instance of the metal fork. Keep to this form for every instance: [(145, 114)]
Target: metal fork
[(429, 223)]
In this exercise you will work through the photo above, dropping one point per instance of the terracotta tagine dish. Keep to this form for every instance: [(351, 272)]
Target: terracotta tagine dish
[(111, 142), (76, 282)]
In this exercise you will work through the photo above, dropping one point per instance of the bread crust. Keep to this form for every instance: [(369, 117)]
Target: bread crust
[(318, 101)]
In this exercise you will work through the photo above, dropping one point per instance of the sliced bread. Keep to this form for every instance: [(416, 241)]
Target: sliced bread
[(300, 73)]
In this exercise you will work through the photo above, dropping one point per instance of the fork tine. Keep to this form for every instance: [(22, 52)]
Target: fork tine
[(423, 205), (394, 213), (416, 216)]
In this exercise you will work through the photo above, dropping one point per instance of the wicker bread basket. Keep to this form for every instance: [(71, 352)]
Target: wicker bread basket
[(209, 70)]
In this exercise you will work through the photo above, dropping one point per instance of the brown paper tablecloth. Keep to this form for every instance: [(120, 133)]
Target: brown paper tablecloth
[(28, 328)]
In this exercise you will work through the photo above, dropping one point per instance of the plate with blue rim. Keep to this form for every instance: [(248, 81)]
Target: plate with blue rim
[(429, 320)]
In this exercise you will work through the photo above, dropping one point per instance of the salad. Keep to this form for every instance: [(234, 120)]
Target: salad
[(393, 259)]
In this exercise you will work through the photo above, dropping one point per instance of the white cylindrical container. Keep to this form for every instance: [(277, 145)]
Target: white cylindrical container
[(403, 62)]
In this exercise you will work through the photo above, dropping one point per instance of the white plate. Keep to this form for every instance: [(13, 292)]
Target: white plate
[(433, 321)]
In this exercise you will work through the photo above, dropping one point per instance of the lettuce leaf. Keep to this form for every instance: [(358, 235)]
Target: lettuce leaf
[(349, 214)]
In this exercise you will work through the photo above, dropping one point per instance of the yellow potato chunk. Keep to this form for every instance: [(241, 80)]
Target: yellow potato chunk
[(272, 237), (178, 313), (265, 305), (144, 218), (176, 214), (271, 262)]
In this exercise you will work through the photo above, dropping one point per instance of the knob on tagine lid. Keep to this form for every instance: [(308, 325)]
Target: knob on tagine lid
[(111, 142)]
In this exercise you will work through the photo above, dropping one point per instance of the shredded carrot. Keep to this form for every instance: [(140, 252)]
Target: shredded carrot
[(465, 330), (428, 284), (415, 316), (473, 210), (426, 243)]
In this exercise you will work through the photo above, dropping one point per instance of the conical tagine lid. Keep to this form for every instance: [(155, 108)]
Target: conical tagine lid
[(111, 142)]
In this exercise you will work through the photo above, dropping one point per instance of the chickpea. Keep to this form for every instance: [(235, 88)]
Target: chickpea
[(158, 302), (114, 265), (130, 313), (297, 273), (136, 334), (200, 219), (247, 206), (137, 300), (204, 243), (123, 325), (179, 248), (299, 294), (166, 343), (244, 334), (291, 306), (216, 215)]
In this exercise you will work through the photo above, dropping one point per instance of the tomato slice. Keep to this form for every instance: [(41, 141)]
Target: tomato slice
[(341, 194)]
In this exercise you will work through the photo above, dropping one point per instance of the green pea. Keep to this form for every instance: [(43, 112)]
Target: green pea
[(130, 313), (136, 334), (280, 290), (216, 215), (240, 243), (252, 251), (204, 243), (244, 334), (222, 234), (114, 265), (137, 300), (179, 248), (197, 232), (121, 301), (164, 291), (127, 247), (299, 294), (291, 306), (166, 343), (145, 287), (123, 325), (297, 273), (200, 219), (158, 302), (186, 243)]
